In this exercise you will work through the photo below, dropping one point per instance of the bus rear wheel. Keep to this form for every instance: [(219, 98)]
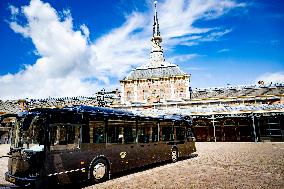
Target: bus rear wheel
[(99, 170), (174, 155)]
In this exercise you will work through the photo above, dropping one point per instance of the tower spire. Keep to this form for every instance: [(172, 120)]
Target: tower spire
[(156, 31), (156, 55)]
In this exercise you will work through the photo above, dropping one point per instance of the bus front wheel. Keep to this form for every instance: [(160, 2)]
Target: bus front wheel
[(99, 170), (174, 154)]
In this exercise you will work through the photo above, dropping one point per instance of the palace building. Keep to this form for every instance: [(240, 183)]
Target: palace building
[(156, 81)]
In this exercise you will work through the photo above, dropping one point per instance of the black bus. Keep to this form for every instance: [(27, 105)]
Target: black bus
[(83, 143)]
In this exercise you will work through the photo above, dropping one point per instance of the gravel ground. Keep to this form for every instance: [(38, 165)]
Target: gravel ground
[(218, 165)]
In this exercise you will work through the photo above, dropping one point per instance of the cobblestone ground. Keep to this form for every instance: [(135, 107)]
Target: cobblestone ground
[(218, 165), (4, 148)]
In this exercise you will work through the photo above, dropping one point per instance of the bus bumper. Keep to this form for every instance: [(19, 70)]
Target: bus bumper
[(19, 180)]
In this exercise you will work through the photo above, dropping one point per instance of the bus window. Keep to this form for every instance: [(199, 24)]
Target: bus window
[(121, 131), (143, 138), (180, 133), (65, 136), (33, 134), (129, 133), (155, 132), (112, 134), (73, 134), (147, 132), (115, 131), (189, 133), (97, 132), (143, 132), (167, 131)]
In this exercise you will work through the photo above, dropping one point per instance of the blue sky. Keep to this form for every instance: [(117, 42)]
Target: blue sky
[(69, 48)]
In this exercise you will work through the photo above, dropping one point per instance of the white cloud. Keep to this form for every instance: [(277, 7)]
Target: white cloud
[(214, 36), (183, 58), (277, 77), (69, 64), (14, 11), (64, 56), (85, 30), (223, 50)]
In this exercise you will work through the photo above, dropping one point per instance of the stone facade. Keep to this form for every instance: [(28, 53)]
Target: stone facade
[(156, 89), (156, 81)]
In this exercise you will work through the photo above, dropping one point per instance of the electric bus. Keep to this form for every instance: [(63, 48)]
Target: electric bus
[(83, 143)]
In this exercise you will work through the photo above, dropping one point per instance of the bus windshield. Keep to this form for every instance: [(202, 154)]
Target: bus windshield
[(28, 133)]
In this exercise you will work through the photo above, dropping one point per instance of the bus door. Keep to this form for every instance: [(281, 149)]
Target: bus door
[(155, 142), (147, 137), (167, 139), (190, 138), (180, 139), (64, 162), (122, 143)]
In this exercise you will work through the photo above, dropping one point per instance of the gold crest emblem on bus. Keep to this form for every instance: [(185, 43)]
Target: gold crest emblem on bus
[(122, 154)]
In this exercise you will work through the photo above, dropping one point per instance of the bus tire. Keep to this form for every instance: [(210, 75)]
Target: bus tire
[(174, 154), (99, 170)]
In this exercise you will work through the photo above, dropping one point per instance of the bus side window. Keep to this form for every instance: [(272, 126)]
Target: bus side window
[(167, 131), (180, 132), (143, 138), (97, 132), (112, 134), (189, 133), (73, 134), (115, 132), (129, 132), (155, 132), (65, 136), (143, 131), (121, 131), (147, 131), (59, 135)]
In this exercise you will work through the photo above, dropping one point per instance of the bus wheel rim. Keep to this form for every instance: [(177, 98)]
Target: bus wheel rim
[(174, 155), (99, 171)]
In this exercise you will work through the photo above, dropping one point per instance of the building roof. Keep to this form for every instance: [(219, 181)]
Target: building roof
[(154, 72)]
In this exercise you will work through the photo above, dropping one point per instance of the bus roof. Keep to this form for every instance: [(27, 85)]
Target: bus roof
[(106, 112), (83, 109)]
